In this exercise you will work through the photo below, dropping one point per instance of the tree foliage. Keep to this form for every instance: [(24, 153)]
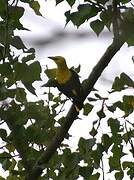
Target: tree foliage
[(31, 133)]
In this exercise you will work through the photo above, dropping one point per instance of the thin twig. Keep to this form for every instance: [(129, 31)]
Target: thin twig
[(129, 139), (103, 173), (3, 146), (2, 122), (129, 122), (96, 4), (61, 109), (14, 2)]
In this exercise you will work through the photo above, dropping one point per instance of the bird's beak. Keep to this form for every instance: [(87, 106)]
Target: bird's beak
[(52, 57)]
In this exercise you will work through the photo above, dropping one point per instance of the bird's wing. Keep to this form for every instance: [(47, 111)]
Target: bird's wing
[(76, 85), (71, 88)]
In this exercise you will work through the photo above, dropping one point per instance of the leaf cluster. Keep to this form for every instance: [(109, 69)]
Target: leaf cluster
[(116, 17)]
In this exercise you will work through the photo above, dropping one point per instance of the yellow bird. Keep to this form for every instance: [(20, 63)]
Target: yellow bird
[(68, 82)]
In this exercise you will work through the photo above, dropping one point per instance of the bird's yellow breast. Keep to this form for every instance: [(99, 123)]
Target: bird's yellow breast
[(62, 76)]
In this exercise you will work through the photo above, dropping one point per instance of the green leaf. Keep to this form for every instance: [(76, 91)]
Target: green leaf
[(97, 154), (30, 50), (29, 87), (86, 172), (125, 137), (70, 161), (3, 134), (6, 93), (51, 73), (20, 95), (87, 109), (21, 70), (119, 175), (10, 147), (114, 163), (98, 96), (111, 108), (118, 104), (5, 69), (86, 145), (91, 99), (71, 2), (85, 12), (27, 74), (1, 178), (125, 1), (131, 172), (95, 176), (28, 58), (2, 8), (114, 125), (6, 164), (15, 12), (34, 71), (107, 16), (3, 156), (130, 40), (121, 82), (116, 138), (127, 80), (36, 7), (117, 151), (127, 164), (118, 84), (18, 43), (35, 134), (101, 114), (128, 17), (59, 1), (106, 142), (74, 17), (50, 83), (93, 132), (97, 26), (12, 165), (128, 104)]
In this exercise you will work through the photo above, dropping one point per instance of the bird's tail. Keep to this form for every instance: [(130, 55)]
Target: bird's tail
[(78, 103)]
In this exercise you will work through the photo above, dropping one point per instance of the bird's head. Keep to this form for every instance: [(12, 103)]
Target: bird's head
[(59, 60)]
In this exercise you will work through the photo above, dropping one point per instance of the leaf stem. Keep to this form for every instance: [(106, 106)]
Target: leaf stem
[(6, 43)]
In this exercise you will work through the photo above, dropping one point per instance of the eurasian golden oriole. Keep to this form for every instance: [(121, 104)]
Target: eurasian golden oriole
[(67, 81)]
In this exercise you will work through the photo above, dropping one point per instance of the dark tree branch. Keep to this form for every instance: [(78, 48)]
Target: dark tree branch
[(116, 15), (101, 65), (72, 114)]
